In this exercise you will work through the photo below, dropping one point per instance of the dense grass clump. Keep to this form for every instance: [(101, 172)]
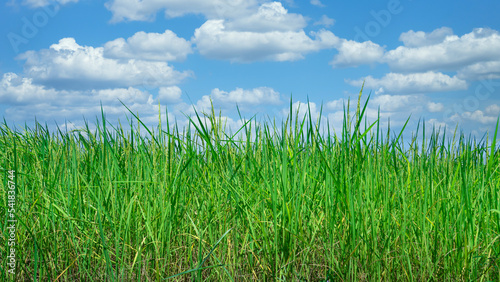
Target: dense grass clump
[(271, 202)]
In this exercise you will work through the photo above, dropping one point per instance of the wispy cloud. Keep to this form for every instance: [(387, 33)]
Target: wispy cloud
[(440, 50), (145, 10), (317, 3), (325, 21)]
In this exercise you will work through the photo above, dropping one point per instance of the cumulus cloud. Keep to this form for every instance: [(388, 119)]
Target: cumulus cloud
[(434, 107), (493, 110), (302, 109), (482, 70), (71, 66), (248, 100), (171, 94), (479, 116), (392, 103), (269, 17), (26, 99), (352, 53), (336, 118), (128, 95), (419, 39), (336, 104), (225, 123), (392, 110), (413, 83), (144, 10), (15, 89), (438, 125), (268, 33), (245, 97), (441, 51), (387, 104), (149, 46), (251, 32), (473, 56), (213, 40)]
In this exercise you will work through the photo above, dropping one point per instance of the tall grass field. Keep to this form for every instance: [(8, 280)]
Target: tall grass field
[(270, 201)]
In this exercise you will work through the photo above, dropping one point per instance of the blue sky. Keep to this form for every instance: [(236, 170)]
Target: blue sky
[(435, 60)]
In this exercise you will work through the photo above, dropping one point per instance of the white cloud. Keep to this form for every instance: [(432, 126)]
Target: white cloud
[(434, 107), (397, 108), (43, 3), (225, 123), (336, 104), (149, 46), (413, 83), (143, 10), (71, 66), (317, 3), (21, 90), (251, 100), (269, 17), (171, 94), (250, 32), (25, 100), (387, 103), (352, 53), (213, 40), (15, 89), (302, 109), (420, 38), (479, 116), (493, 110), (244, 97), (438, 125), (392, 103), (380, 90), (77, 114), (326, 21), (126, 95), (336, 119), (452, 53), (482, 70)]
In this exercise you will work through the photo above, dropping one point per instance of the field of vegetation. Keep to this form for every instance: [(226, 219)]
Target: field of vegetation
[(270, 201)]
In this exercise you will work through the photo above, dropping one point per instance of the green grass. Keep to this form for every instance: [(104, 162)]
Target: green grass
[(270, 202)]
